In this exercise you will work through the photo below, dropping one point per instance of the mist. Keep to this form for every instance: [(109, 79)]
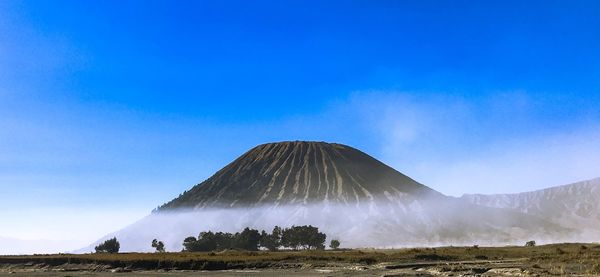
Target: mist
[(377, 224)]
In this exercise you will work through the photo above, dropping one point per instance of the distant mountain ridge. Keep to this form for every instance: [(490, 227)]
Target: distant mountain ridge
[(575, 205), (301, 172)]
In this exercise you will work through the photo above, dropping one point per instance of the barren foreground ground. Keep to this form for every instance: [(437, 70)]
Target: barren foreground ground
[(547, 260)]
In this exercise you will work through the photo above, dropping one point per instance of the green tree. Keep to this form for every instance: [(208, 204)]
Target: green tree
[(530, 243), (306, 237), (189, 240), (248, 239), (189, 244), (206, 241), (109, 246), (223, 240), (271, 241), (334, 244), (159, 245)]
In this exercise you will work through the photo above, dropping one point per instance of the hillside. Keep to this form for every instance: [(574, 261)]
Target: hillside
[(575, 205)]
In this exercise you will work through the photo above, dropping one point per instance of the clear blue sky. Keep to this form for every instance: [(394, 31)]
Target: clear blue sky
[(114, 107)]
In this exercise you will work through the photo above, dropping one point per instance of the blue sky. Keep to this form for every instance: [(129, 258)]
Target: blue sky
[(110, 108)]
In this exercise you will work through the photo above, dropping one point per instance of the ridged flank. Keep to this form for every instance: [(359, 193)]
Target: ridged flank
[(298, 173), (573, 205)]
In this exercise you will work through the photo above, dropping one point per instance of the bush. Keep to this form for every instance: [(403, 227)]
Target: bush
[(109, 246)]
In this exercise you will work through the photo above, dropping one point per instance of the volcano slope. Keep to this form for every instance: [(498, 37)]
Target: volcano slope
[(290, 173), (346, 193)]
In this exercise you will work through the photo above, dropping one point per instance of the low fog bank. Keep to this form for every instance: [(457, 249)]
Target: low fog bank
[(377, 224)]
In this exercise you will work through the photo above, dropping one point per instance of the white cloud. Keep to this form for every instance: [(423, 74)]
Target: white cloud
[(457, 147), (524, 164)]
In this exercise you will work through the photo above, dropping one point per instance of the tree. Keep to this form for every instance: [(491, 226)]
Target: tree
[(334, 244), (206, 242), (189, 240), (316, 239), (289, 238), (247, 239), (530, 243), (223, 240), (271, 241), (109, 246), (189, 244), (306, 237), (159, 245)]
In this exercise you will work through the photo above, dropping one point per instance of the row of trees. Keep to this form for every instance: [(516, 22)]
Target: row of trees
[(295, 237)]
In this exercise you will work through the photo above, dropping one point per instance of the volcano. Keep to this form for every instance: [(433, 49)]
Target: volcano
[(300, 172)]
